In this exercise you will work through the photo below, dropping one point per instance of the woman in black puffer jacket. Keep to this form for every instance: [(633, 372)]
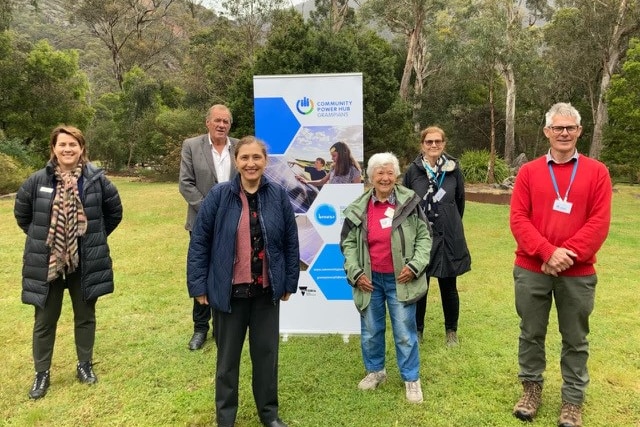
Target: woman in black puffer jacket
[(67, 210)]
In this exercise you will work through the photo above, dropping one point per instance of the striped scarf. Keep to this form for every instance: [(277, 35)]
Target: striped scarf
[(68, 222)]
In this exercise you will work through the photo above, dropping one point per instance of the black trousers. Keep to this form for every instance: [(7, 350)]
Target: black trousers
[(450, 304), (262, 317), (202, 314), (46, 322)]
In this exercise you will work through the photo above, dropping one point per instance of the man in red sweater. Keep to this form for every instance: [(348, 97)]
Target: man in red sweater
[(560, 215)]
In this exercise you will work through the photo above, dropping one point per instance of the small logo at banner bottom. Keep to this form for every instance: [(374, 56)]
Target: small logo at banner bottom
[(305, 106)]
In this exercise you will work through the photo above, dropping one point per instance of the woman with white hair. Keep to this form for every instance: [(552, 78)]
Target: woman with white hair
[(386, 243)]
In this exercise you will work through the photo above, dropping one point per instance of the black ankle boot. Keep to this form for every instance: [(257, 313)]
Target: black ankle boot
[(40, 385), (85, 373)]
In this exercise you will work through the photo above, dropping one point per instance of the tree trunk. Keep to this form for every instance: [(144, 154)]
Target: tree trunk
[(412, 44), (492, 156), (609, 66), (510, 113)]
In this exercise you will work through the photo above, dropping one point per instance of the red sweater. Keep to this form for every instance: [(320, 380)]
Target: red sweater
[(539, 229)]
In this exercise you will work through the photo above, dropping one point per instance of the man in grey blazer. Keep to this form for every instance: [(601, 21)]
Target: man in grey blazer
[(206, 160)]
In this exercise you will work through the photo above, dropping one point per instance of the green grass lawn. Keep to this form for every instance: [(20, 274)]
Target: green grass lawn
[(148, 377)]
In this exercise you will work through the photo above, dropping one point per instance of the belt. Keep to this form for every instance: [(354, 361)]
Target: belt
[(249, 290)]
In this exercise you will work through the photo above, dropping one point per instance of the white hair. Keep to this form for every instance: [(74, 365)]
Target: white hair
[(563, 109), (379, 160)]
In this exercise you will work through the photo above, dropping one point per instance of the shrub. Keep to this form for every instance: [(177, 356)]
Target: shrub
[(475, 167), (12, 174), (21, 153)]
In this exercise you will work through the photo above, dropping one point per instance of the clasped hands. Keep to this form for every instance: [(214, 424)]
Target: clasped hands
[(365, 284), (561, 260)]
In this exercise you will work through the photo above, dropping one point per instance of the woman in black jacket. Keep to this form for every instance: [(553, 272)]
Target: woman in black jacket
[(67, 210), (436, 177)]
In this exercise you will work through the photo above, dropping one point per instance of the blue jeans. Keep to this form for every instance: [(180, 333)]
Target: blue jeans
[(403, 323)]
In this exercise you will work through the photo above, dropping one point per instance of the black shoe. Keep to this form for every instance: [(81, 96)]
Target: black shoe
[(275, 423), (197, 340), (40, 385), (85, 373)]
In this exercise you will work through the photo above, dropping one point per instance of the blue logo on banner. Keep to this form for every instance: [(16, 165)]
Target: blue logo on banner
[(275, 123), (328, 273), (305, 106), (326, 214)]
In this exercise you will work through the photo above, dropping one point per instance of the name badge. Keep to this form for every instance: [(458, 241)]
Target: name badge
[(389, 212), (439, 195), (47, 190), (562, 206), (385, 222)]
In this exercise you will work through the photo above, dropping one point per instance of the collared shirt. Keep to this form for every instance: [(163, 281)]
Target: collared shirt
[(221, 161), (550, 158), (391, 199)]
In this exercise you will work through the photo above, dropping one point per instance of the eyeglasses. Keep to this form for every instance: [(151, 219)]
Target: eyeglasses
[(557, 130), (437, 142)]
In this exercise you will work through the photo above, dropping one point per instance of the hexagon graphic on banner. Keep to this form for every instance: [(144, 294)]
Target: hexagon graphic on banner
[(275, 123), (325, 213), (328, 272)]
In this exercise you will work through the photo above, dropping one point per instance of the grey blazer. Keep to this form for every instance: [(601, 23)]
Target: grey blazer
[(198, 174)]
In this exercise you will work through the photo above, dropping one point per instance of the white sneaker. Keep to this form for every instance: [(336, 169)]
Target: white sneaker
[(414, 391), (372, 380)]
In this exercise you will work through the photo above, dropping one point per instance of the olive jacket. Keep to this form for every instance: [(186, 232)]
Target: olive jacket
[(410, 245)]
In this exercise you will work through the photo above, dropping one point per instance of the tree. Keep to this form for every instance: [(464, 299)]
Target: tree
[(334, 14), (41, 88), (207, 81), (253, 18), (622, 136), (136, 32), (598, 32), (502, 37)]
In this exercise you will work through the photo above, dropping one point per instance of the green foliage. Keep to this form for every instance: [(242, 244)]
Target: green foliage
[(42, 87), (20, 152), (475, 167), (125, 132), (622, 135), (12, 174)]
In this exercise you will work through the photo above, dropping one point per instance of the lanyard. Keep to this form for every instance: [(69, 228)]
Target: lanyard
[(555, 183), (433, 174)]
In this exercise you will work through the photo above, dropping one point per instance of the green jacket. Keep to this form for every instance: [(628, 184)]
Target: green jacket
[(410, 245)]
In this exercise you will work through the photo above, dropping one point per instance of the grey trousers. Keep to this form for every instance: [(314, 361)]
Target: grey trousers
[(262, 317), (574, 298), (46, 322)]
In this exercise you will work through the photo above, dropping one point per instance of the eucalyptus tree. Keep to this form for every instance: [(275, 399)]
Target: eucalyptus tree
[(136, 32), (334, 14), (622, 135), (503, 36), (253, 17), (586, 41)]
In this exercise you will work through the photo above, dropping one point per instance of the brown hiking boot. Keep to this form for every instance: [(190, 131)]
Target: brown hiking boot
[(528, 405), (570, 415)]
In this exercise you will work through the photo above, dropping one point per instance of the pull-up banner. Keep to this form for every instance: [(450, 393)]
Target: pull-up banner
[(301, 118)]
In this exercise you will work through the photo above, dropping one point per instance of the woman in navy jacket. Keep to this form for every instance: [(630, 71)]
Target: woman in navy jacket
[(243, 260), (67, 210)]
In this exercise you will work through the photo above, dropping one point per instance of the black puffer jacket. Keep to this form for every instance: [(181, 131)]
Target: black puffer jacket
[(33, 212)]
